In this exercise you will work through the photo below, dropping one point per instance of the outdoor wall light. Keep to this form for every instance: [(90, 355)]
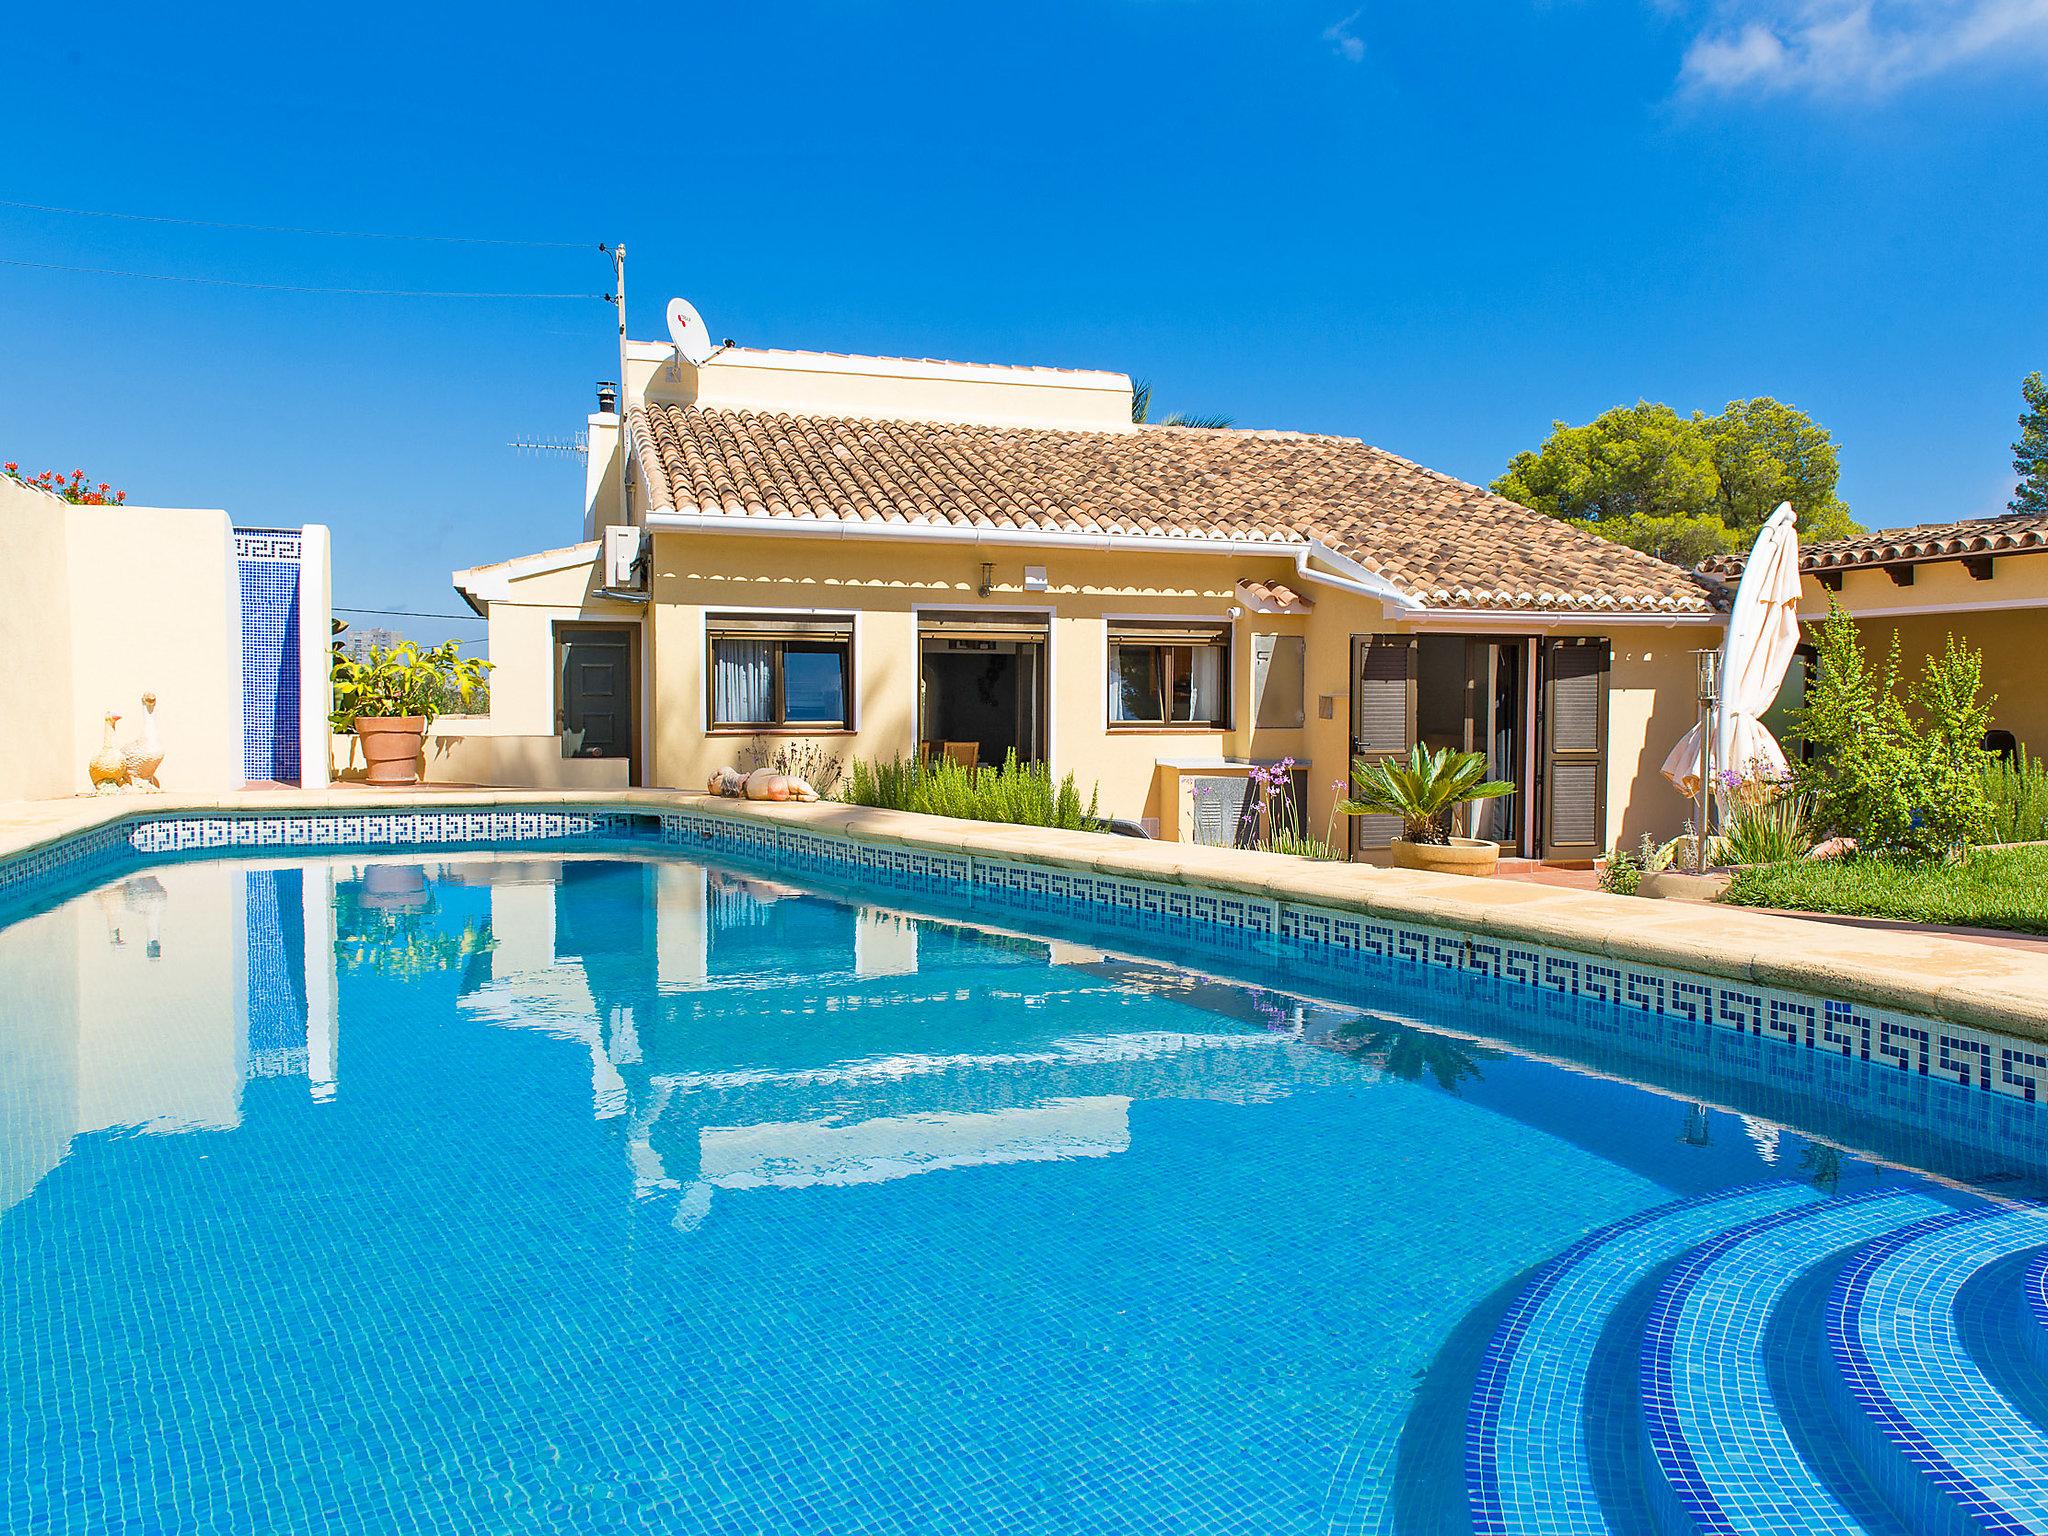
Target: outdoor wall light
[(988, 578)]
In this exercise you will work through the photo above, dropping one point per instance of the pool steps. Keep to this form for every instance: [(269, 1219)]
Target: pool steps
[(1962, 1456), (1927, 1442)]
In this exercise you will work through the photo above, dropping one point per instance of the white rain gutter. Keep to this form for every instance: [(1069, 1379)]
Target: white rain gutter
[(1522, 620), (1362, 581)]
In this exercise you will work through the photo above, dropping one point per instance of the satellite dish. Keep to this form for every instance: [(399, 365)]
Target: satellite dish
[(686, 330)]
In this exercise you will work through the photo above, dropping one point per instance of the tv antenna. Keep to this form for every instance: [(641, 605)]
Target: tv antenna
[(579, 444)]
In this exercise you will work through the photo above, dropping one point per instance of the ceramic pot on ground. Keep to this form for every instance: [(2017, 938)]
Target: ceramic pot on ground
[(1460, 856), (391, 748)]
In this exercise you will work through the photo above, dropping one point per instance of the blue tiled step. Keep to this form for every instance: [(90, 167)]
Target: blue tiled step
[(2037, 1306), (1718, 1453), (1961, 1456), (1527, 1461)]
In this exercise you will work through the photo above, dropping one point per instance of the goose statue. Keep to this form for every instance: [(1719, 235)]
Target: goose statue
[(145, 754), (109, 767)]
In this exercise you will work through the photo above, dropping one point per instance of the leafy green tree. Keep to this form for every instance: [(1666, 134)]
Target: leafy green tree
[(2030, 453), (1684, 488), (1766, 453), (1638, 460)]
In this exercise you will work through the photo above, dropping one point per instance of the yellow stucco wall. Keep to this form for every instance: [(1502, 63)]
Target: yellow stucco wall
[(99, 605), (884, 584), (2006, 618)]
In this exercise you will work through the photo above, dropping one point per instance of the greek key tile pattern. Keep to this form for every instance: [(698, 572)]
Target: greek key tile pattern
[(1785, 1035)]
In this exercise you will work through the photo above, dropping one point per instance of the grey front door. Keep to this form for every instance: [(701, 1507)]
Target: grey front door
[(595, 691)]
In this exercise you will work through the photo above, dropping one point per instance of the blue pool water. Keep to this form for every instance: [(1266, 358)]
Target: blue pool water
[(553, 1192)]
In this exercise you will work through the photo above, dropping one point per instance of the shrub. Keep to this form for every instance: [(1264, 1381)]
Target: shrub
[(1891, 782), (405, 680), (2017, 794), (1766, 831), (1623, 873), (77, 490), (1022, 794)]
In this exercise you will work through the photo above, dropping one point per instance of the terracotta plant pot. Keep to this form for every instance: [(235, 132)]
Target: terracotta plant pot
[(394, 888), (391, 748), (1460, 856)]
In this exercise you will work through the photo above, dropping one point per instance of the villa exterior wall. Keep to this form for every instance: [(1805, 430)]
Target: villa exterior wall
[(883, 584), (887, 388), (2006, 618)]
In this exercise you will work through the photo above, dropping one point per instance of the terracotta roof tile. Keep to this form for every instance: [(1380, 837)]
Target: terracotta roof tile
[(1907, 546), (1272, 597), (1444, 542)]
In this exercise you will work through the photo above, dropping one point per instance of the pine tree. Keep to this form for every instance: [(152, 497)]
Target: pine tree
[(2030, 453)]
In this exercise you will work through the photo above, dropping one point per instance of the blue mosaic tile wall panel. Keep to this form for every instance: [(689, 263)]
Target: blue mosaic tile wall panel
[(269, 567), (276, 942)]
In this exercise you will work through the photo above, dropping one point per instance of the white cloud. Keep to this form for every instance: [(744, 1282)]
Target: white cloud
[(1349, 46), (1857, 47)]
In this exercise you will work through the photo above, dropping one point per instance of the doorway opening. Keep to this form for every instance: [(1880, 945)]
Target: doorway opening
[(981, 687), (1537, 709), (597, 682)]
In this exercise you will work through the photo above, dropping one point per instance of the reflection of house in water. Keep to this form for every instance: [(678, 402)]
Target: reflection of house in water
[(150, 1005), (755, 1037)]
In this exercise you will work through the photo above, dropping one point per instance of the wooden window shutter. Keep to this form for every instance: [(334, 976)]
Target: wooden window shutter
[(1382, 717), (1575, 749)]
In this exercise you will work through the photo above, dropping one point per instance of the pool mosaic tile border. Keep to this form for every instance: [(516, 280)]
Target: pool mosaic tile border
[(1806, 1032), (1800, 1034)]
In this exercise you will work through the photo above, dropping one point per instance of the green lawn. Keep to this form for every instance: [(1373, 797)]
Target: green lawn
[(2007, 889)]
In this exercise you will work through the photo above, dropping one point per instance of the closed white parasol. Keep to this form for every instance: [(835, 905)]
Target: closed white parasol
[(1763, 634)]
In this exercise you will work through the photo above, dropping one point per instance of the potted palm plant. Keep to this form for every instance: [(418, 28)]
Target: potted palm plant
[(390, 700), (1423, 790)]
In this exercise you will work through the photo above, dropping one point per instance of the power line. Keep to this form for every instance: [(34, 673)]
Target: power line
[(236, 282), (408, 613), (289, 229)]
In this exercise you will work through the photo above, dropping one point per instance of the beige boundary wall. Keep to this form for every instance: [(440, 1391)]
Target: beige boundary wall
[(884, 584), (99, 605)]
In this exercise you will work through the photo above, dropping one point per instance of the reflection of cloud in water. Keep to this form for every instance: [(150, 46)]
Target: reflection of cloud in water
[(805, 1153)]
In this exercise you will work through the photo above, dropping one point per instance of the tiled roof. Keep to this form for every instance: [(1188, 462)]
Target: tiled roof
[(1272, 597), (1927, 541), (1439, 540)]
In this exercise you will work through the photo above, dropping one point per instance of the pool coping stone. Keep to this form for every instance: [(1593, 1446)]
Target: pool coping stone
[(1952, 979)]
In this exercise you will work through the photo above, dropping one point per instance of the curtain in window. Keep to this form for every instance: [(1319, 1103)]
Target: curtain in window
[(1201, 699), (743, 682)]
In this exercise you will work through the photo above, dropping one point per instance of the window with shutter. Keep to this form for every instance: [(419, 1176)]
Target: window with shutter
[(1382, 717), (1574, 734)]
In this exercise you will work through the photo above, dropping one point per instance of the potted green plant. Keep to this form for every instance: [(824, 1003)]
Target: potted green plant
[(1423, 790), (390, 700)]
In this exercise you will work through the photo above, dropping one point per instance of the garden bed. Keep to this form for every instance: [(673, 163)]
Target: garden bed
[(1993, 888)]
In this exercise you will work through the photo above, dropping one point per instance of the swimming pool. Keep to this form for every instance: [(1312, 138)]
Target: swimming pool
[(583, 1186)]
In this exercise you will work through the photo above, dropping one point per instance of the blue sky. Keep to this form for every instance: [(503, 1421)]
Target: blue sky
[(1436, 226)]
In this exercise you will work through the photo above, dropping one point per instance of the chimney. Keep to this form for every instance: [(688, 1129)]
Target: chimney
[(608, 397)]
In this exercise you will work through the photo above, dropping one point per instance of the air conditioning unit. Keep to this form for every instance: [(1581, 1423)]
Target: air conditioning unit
[(625, 559)]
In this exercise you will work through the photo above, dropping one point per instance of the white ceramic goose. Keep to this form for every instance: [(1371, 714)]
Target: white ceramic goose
[(145, 754), (109, 767)]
